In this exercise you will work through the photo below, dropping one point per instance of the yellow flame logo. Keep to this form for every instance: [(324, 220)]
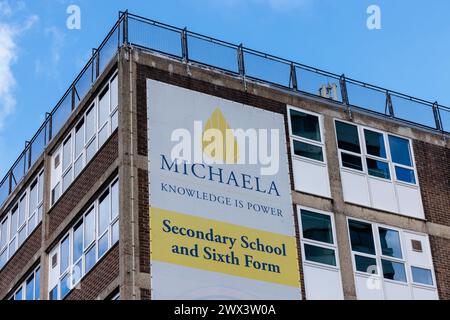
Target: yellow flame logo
[(218, 141)]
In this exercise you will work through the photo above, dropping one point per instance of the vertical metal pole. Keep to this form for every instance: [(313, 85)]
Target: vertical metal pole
[(125, 28), (240, 58), (293, 80), (389, 107), (344, 95), (437, 116), (184, 46)]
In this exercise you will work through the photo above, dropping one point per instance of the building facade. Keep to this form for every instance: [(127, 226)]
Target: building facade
[(366, 212)]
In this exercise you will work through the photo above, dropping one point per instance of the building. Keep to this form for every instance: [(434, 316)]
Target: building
[(358, 207)]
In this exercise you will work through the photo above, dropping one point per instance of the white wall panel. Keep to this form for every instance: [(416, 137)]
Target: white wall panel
[(311, 177), (322, 283), (425, 294), (355, 188), (382, 194), (396, 291), (410, 201), (366, 290)]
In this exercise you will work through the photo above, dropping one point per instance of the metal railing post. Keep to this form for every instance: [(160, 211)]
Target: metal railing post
[(184, 46), (437, 116), (293, 80), (344, 95), (240, 58), (389, 107), (125, 28)]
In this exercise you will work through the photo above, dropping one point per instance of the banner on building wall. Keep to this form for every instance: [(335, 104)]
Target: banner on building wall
[(221, 214)]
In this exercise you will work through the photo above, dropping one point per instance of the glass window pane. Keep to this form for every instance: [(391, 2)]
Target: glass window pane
[(53, 295), (90, 123), (89, 228), (29, 289), (320, 255), (77, 273), (421, 275), (90, 259), (65, 253), (378, 169), (67, 153), (361, 237), (115, 232), (405, 175), (77, 242), (316, 226), (91, 150), (375, 143), (103, 136), (305, 125), (103, 245), (3, 258), (37, 284), (13, 226), (41, 188), (114, 93), (12, 248), (67, 180), (114, 200), (103, 108), (22, 235), (78, 166), (366, 264), (31, 223), (390, 243), (400, 151), (18, 295), (3, 233), (114, 121), (351, 161), (33, 198), (22, 208), (103, 213), (65, 285), (393, 270), (79, 138), (308, 150), (347, 136)]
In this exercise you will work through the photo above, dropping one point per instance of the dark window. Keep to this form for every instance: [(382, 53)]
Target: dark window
[(305, 125), (316, 226), (361, 237), (320, 255), (351, 161), (347, 136), (375, 143), (308, 150), (393, 270), (378, 169), (366, 264)]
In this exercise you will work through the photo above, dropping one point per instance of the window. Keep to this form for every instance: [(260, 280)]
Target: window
[(22, 220), (29, 289), (378, 250), (86, 138), (383, 153), (306, 135), (87, 241), (317, 237)]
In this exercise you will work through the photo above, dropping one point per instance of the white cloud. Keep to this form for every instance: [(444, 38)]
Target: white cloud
[(9, 32)]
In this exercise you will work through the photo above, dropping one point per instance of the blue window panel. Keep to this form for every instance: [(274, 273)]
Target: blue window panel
[(405, 175), (366, 264), (375, 143), (378, 169), (422, 276), (400, 151), (393, 270), (390, 243)]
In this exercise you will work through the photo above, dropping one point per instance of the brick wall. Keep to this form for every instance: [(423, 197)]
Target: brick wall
[(19, 261), (99, 278), (81, 186), (440, 249), (144, 220), (433, 169)]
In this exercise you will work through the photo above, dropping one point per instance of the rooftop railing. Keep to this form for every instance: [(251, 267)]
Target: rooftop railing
[(191, 47)]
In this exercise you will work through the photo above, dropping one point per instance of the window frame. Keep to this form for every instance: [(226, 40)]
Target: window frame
[(14, 240), (305, 241), (70, 234), (379, 256), (293, 137), (364, 155), (22, 288), (59, 187)]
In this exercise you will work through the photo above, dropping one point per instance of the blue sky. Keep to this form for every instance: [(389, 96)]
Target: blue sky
[(40, 57)]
